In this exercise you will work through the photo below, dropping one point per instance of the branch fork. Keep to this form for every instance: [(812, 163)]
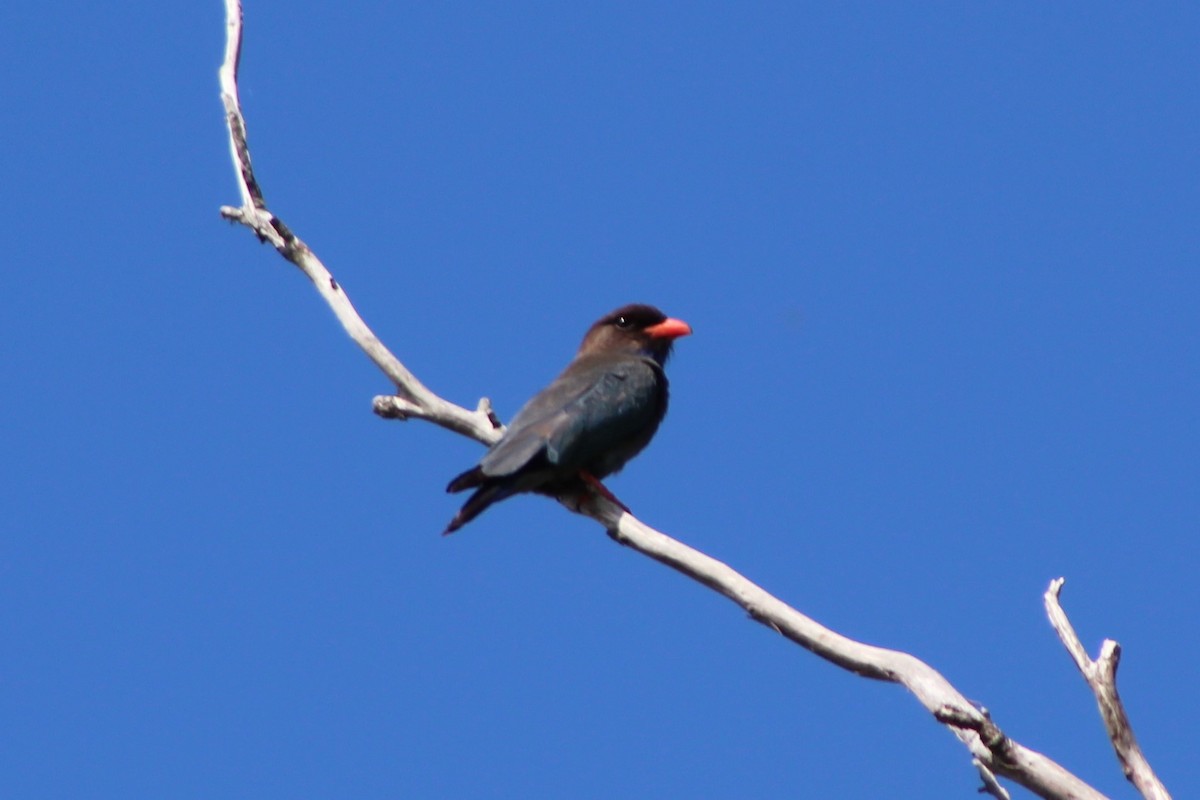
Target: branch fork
[(1101, 676)]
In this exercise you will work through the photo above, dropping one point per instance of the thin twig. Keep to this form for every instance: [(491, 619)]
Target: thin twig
[(413, 399), (990, 784), (1101, 676)]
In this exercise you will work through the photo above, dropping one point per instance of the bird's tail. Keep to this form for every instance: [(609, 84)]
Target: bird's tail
[(486, 493), (468, 480)]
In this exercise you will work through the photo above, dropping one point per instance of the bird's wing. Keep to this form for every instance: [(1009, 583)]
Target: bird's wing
[(593, 405)]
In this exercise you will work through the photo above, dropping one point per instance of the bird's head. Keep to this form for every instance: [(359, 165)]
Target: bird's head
[(637, 329)]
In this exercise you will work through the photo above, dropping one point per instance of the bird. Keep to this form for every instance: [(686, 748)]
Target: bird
[(601, 411)]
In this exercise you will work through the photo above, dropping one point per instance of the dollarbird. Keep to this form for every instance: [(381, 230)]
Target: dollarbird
[(601, 411)]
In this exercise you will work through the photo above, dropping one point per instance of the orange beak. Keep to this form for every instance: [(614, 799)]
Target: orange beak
[(670, 328)]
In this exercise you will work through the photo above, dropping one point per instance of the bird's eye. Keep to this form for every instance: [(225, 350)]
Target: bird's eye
[(624, 323)]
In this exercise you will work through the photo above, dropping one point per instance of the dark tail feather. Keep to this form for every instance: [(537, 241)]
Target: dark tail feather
[(476, 504), (468, 480)]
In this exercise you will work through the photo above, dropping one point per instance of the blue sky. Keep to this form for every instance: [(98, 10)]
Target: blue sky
[(942, 267)]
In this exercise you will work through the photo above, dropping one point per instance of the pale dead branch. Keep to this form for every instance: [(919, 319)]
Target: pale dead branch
[(993, 753), (1101, 676)]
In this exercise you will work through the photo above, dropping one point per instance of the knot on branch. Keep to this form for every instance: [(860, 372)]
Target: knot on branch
[(393, 406), (989, 732)]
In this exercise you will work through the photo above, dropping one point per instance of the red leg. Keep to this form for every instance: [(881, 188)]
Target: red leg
[(600, 489)]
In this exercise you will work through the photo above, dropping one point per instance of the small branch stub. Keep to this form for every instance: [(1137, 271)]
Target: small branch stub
[(990, 784)]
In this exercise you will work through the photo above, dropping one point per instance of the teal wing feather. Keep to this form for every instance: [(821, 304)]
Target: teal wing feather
[(597, 408)]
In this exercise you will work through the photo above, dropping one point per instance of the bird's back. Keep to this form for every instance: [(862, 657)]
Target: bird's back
[(600, 412)]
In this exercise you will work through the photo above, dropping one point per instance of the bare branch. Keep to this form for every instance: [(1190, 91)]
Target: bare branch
[(414, 399), (993, 753), (1101, 676)]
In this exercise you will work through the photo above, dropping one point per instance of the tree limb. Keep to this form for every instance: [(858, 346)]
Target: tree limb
[(1101, 676), (993, 753), (413, 399)]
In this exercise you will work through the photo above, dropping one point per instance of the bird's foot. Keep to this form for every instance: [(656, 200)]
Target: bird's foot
[(602, 490)]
